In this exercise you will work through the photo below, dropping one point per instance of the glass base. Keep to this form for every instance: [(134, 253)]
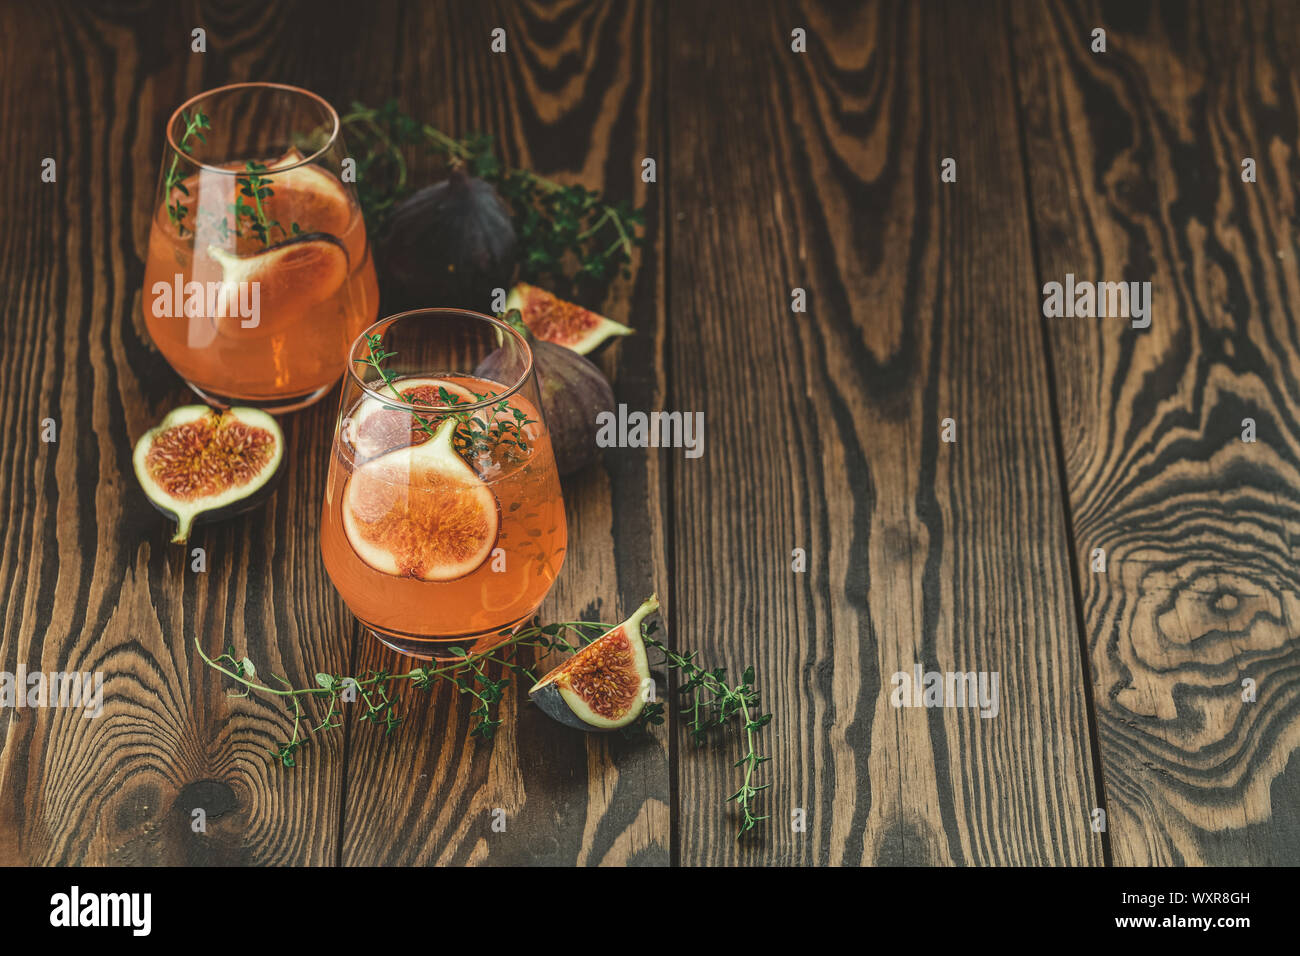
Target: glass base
[(440, 648), (272, 406)]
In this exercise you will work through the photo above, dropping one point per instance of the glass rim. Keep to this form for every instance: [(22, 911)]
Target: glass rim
[(416, 407), (252, 85)]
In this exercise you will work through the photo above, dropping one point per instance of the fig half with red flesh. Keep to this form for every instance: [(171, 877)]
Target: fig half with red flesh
[(552, 319), (203, 463), (602, 686)]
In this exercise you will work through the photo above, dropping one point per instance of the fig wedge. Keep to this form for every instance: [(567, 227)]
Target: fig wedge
[(199, 463), (311, 196), (600, 687), (552, 319)]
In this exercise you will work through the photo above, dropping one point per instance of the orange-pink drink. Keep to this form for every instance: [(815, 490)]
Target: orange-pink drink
[(447, 525), (310, 278)]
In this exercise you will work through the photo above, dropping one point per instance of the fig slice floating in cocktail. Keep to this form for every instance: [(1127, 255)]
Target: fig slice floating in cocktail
[(421, 511), (377, 426)]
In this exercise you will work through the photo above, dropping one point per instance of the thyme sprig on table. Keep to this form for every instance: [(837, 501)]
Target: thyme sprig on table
[(710, 702), (375, 690), (556, 226)]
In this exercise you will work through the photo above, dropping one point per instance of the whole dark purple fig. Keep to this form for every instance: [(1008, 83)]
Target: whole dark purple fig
[(449, 244)]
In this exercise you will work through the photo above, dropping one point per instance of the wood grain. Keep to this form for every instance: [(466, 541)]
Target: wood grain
[(1134, 160), (821, 171)]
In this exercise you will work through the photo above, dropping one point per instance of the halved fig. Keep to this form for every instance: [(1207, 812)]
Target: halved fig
[(292, 276), (552, 319), (199, 462), (600, 687), (421, 512), (378, 426)]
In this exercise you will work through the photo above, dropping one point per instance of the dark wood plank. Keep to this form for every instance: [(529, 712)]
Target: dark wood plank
[(1135, 167), (89, 576), (821, 171), (576, 98)]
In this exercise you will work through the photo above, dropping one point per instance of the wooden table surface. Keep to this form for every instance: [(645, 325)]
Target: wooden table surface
[(1120, 690)]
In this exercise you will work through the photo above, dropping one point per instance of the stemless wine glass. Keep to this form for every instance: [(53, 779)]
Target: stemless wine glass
[(258, 274), (443, 526)]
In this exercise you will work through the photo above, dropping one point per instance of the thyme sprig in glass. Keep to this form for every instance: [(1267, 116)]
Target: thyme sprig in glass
[(476, 436), (257, 187), (176, 210), (252, 185)]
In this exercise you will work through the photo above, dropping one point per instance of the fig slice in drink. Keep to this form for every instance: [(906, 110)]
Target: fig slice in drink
[(292, 276), (377, 427), (317, 201), (421, 511)]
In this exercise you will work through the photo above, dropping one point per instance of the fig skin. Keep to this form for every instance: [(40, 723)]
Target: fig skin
[(216, 506), (556, 698), (447, 245), (573, 391)]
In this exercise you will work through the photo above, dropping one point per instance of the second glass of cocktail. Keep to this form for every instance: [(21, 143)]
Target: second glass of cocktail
[(443, 527), (258, 275)]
